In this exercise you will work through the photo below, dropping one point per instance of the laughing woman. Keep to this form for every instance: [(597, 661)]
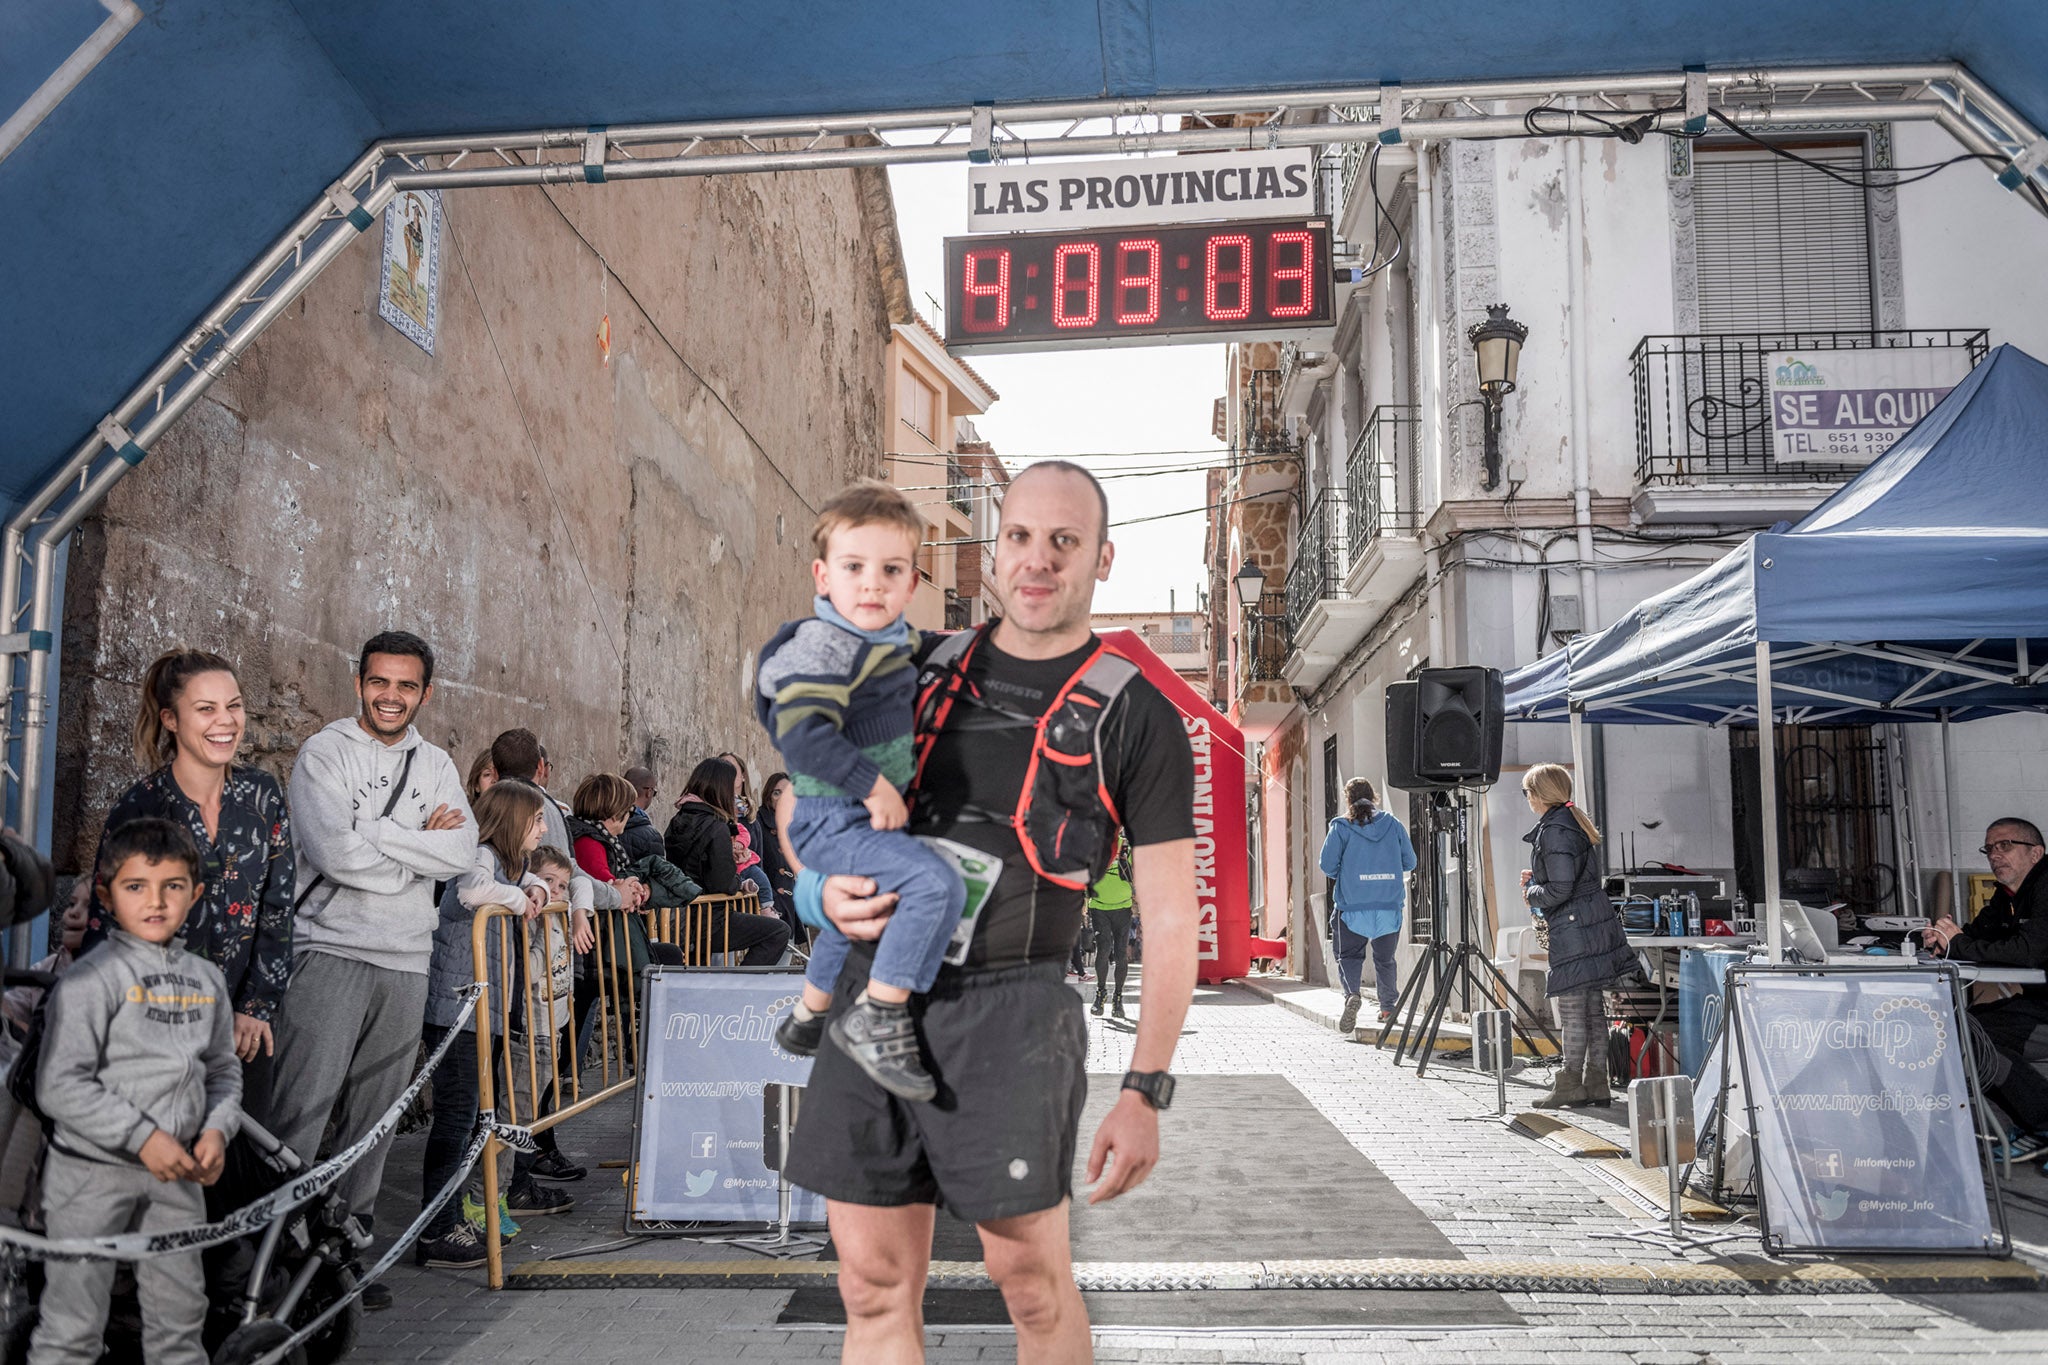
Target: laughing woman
[(188, 728)]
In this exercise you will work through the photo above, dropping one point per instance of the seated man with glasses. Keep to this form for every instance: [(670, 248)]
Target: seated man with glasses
[(2011, 931)]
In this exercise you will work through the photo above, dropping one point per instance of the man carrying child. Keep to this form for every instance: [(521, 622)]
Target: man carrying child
[(1002, 1035)]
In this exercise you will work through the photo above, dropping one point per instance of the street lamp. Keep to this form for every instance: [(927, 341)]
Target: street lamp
[(1251, 585), (1497, 343)]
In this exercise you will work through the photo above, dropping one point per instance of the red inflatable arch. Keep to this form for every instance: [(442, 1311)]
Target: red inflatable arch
[(1222, 864)]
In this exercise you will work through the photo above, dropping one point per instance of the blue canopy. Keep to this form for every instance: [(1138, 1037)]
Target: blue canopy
[(1920, 586), (214, 123)]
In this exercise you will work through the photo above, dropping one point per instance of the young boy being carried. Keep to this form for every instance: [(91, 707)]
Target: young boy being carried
[(142, 1089), (837, 691)]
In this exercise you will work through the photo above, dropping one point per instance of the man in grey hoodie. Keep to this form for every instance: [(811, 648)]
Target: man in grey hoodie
[(379, 816)]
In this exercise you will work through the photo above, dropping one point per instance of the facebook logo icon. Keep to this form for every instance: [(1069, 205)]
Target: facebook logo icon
[(703, 1146)]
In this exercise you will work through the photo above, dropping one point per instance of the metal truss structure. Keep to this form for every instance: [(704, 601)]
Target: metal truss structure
[(1676, 103)]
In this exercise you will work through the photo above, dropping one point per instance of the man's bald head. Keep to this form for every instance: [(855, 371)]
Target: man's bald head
[(643, 783), (1068, 469)]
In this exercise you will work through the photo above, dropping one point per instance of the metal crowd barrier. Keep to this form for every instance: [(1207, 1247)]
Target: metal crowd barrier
[(704, 926), (506, 1058), (534, 1055)]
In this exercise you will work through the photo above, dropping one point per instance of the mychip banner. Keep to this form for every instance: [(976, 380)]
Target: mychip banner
[(1858, 1088), (708, 1053), (1848, 407)]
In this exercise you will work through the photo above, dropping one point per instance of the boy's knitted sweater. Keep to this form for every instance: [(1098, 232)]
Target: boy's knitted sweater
[(838, 701)]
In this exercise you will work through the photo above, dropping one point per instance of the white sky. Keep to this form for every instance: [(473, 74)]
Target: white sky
[(1080, 404)]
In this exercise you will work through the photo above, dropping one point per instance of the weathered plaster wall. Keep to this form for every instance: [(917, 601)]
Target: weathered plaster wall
[(595, 550)]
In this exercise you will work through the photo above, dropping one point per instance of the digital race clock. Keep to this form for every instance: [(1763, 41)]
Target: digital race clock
[(1044, 290)]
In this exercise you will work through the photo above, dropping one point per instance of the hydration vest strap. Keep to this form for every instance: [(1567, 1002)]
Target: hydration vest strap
[(950, 658)]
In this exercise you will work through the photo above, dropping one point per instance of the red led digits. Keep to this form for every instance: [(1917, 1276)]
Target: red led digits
[(1128, 283), (1303, 274), (1065, 287), (1214, 278), (976, 289)]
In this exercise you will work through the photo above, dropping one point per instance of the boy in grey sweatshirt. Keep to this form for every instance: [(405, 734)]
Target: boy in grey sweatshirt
[(379, 816), (141, 1086)]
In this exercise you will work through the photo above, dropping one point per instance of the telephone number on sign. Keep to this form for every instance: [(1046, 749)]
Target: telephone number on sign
[(1835, 442)]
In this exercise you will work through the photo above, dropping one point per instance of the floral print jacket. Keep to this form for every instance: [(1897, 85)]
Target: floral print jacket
[(243, 924)]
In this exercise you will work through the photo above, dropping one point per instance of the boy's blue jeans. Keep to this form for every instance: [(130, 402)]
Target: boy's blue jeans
[(833, 835)]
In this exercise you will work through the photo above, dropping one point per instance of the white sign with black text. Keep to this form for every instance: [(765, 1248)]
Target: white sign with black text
[(1029, 197), (1848, 407)]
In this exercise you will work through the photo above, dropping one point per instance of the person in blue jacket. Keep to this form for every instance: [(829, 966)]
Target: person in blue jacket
[(1369, 857)]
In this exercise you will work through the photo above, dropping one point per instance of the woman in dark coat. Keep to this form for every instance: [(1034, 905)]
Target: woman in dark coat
[(699, 840), (1588, 951)]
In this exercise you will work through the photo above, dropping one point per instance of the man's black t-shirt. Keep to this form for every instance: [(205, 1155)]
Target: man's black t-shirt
[(977, 769)]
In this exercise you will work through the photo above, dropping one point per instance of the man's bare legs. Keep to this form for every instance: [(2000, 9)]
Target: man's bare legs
[(1031, 1259), (883, 1256)]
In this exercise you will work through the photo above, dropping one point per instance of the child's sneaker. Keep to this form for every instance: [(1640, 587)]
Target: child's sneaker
[(459, 1248), (473, 1214), (882, 1041), (800, 1037)]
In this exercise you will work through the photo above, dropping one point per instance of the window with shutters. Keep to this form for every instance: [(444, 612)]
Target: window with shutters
[(1781, 246)]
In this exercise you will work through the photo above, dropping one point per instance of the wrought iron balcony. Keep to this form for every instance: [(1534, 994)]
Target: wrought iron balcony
[(1702, 402), (1261, 431), (1290, 361), (1319, 558), (1266, 641), (959, 488), (1378, 479)]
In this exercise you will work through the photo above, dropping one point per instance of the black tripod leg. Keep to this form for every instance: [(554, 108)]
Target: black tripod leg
[(1439, 1005), (1413, 990), (1418, 1012)]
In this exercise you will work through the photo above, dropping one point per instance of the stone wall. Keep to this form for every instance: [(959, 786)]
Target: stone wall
[(595, 549)]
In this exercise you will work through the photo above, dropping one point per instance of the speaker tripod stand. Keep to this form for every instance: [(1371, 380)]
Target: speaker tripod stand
[(1448, 966)]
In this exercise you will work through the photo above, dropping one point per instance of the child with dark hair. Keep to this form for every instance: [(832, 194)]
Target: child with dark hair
[(140, 1084)]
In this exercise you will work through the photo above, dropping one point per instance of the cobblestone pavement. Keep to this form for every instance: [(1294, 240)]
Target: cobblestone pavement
[(1491, 1192)]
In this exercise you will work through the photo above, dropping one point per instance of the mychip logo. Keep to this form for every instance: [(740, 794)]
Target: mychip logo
[(775, 1013), (1905, 1032)]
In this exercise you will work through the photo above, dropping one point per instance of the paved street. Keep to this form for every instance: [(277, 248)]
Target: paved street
[(1492, 1193)]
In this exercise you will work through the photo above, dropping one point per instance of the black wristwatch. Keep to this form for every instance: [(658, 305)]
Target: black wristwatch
[(1155, 1086)]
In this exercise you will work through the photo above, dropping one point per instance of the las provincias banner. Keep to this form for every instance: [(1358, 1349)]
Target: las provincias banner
[(1222, 864)]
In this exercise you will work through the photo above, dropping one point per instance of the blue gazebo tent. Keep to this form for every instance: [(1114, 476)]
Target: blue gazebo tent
[(1918, 592)]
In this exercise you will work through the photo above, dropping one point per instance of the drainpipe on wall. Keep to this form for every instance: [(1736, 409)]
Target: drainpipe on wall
[(1429, 380), (1582, 455)]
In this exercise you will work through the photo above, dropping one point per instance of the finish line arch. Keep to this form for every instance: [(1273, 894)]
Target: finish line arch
[(1222, 858)]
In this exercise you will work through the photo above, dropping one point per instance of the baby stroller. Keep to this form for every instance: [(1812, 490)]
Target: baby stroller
[(266, 1287), (260, 1289)]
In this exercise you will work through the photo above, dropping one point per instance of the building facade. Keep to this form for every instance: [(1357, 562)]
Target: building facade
[(1179, 638), (592, 495), (938, 458), (1654, 279)]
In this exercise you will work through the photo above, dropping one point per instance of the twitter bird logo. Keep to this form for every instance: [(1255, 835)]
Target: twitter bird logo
[(697, 1184)]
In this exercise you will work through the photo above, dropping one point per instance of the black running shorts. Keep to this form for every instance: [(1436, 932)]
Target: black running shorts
[(1008, 1047)]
